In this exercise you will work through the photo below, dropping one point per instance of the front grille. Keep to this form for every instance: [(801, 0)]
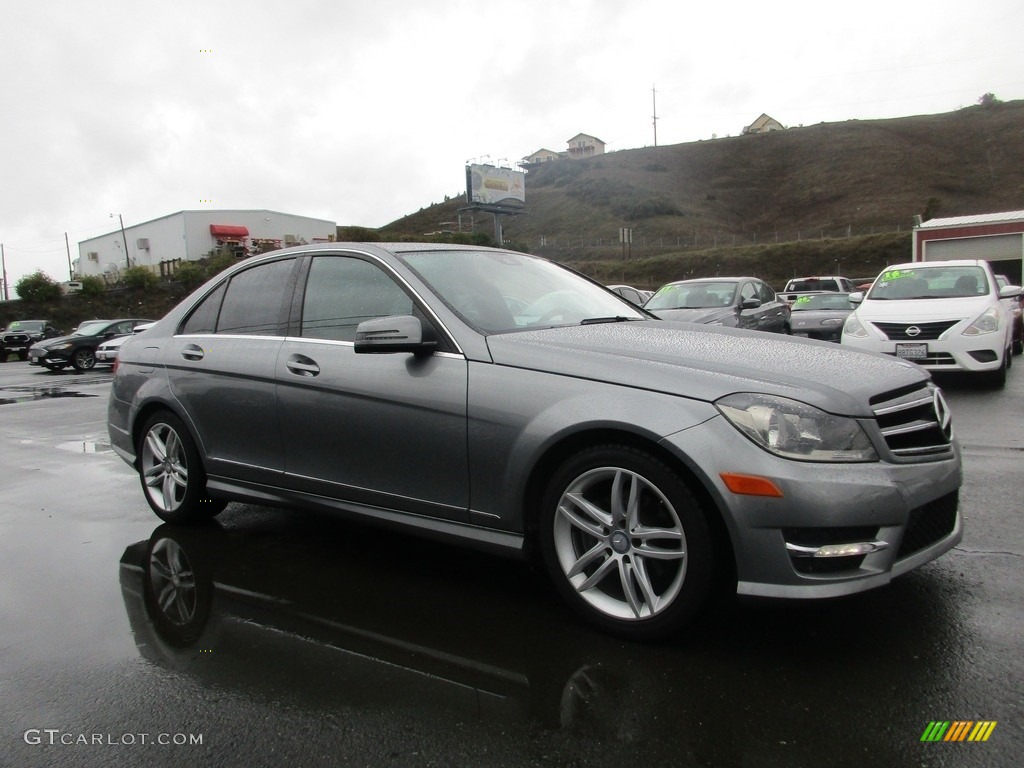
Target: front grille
[(929, 524), (924, 331), (933, 358), (915, 423), (19, 338)]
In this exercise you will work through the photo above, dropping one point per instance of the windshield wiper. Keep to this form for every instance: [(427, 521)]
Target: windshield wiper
[(612, 319)]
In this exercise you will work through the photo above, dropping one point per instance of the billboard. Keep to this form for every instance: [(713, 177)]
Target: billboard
[(489, 185)]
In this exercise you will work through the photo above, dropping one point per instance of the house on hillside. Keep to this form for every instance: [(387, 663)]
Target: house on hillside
[(764, 124), (543, 156), (582, 146)]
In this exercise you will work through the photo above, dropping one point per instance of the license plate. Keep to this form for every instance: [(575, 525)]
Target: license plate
[(912, 351)]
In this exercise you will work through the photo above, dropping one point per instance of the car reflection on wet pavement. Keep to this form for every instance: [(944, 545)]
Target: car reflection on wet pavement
[(284, 637)]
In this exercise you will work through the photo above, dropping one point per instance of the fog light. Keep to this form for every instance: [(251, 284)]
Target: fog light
[(838, 550)]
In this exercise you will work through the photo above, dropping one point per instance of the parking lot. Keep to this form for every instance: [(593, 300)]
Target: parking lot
[(323, 643)]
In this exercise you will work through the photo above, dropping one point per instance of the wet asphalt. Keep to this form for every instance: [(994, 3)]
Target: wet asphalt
[(316, 642)]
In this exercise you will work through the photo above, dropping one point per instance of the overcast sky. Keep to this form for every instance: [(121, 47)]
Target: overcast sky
[(363, 112)]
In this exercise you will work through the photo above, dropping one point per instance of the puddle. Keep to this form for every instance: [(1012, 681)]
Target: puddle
[(41, 395), (86, 446)]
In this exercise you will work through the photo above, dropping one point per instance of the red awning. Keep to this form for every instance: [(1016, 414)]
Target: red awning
[(228, 230)]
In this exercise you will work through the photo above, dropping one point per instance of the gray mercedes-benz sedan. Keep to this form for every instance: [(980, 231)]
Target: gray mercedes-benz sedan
[(501, 400)]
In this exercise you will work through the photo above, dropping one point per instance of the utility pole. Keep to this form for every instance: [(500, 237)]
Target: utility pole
[(71, 272), (3, 263), (654, 121), (127, 258)]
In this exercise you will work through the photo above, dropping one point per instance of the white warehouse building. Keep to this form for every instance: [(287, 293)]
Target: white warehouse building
[(191, 235)]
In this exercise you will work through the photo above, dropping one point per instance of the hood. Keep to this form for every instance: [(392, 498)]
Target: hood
[(696, 314), (47, 343), (707, 363), (924, 310)]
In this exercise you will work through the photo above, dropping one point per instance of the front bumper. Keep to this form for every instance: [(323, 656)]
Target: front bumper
[(955, 353), (910, 510)]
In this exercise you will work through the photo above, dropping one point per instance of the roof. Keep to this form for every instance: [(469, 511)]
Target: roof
[(584, 136), (981, 218)]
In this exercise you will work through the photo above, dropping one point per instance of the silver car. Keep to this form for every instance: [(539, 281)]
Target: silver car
[(503, 401)]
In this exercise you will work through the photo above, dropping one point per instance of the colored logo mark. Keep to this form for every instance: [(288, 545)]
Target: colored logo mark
[(958, 730)]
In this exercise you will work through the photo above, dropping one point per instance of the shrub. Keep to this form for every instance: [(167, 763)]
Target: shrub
[(140, 277), (37, 287), (189, 274), (93, 286)]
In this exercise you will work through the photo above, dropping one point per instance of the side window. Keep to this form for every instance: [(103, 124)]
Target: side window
[(204, 317), (252, 303), (122, 328), (342, 292), (765, 293)]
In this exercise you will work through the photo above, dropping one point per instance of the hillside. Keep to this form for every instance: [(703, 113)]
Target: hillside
[(815, 198)]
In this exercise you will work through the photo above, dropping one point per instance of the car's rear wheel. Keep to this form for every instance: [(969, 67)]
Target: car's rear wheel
[(626, 543), (172, 473), (84, 359)]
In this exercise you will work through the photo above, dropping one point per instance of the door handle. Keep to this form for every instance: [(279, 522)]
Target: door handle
[(302, 366), (192, 352)]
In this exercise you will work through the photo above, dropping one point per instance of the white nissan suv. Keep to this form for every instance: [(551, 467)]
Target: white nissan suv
[(942, 315)]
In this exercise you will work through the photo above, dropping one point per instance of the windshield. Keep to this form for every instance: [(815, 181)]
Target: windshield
[(91, 329), (697, 295), (822, 301), (498, 292), (930, 282), (26, 326)]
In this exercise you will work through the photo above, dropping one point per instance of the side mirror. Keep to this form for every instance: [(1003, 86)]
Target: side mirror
[(1010, 291), (750, 304), (857, 297), (397, 333)]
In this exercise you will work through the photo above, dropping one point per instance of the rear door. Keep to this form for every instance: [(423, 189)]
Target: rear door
[(221, 368)]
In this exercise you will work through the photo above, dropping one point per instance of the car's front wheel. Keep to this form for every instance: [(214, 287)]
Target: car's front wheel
[(626, 543), (172, 473), (84, 359)]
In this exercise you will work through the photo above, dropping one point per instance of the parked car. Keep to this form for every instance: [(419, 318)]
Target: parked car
[(821, 315), (807, 286), (1016, 306), (79, 349), (19, 335), (942, 315), (106, 353), (643, 462), (734, 302), (631, 294)]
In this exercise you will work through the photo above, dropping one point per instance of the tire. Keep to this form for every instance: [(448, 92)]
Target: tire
[(626, 543), (22, 355), (997, 379), (171, 472), (84, 359), (1018, 346)]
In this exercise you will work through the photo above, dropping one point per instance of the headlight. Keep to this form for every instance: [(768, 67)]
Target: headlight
[(832, 321), (854, 327), (60, 347), (795, 430), (987, 323)]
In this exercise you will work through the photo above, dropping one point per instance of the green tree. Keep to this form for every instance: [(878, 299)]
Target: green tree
[(140, 277), (93, 286), (988, 99), (37, 287)]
